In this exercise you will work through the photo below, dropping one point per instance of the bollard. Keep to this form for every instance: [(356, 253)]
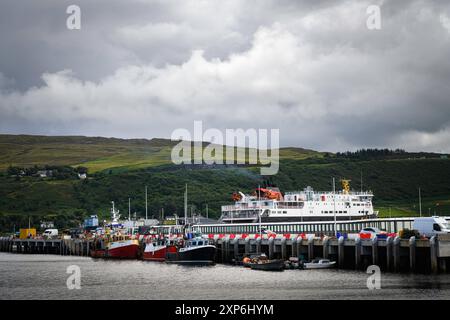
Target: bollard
[(375, 250), (357, 253), (412, 253), (341, 251), (388, 253)]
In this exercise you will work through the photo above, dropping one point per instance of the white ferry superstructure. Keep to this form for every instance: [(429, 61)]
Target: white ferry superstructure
[(270, 205)]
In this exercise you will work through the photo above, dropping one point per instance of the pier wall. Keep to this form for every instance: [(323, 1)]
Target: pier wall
[(391, 254)]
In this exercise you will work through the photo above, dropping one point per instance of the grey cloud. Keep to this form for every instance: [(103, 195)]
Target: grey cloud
[(311, 68)]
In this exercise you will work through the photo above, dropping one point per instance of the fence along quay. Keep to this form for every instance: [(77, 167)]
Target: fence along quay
[(295, 239)]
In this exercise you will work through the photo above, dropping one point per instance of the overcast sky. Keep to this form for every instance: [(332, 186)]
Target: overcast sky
[(142, 68)]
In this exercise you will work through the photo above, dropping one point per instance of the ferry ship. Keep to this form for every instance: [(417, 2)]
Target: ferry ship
[(270, 205)]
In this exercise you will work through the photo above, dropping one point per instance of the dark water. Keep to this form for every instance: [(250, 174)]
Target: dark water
[(44, 277)]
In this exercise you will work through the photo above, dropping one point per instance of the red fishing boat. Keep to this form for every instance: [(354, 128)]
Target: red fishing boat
[(157, 249), (122, 249)]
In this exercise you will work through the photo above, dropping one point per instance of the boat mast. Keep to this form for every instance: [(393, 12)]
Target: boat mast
[(185, 206), (259, 211), (129, 209), (334, 204)]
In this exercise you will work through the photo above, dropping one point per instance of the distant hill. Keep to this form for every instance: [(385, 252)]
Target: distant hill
[(98, 153), (119, 169)]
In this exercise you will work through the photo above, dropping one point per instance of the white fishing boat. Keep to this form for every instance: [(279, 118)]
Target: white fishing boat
[(320, 264)]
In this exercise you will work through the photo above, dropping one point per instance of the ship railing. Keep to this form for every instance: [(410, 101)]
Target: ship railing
[(244, 207), (351, 193), (240, 215)]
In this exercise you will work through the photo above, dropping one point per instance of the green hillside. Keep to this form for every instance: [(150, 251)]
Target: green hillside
[(119, 169)]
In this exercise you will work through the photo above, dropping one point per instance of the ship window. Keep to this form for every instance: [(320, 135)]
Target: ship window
[(200, 243), (284, 211)]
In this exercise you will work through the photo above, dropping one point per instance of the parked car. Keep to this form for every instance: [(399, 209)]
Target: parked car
[(50, 233), (373, 232), (431, 226)]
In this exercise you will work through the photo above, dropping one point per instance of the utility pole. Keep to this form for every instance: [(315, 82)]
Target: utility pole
[(129, 209), (361, 182), (420, 203), (206, 211), (146, 204)]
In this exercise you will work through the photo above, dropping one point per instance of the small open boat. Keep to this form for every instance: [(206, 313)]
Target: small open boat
[(320, 264), (268, 265), (261, 262)]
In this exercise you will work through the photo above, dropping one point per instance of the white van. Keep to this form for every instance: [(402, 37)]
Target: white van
[(431, 226), (50, 233)]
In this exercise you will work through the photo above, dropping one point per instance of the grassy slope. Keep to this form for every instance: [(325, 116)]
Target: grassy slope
[(97, 153)]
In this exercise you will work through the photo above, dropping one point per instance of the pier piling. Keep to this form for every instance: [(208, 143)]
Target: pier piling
[(412, 253), (341, 252)]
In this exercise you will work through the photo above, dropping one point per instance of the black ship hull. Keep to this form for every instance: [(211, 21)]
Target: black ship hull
[(202, 255)]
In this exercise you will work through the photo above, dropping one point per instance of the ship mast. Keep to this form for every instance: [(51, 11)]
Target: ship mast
[(185, 206), (259, 211)]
